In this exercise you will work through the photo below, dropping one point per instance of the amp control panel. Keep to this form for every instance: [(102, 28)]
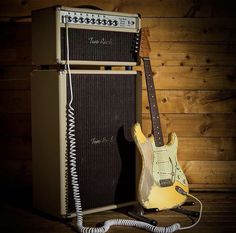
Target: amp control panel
[(99, 18)]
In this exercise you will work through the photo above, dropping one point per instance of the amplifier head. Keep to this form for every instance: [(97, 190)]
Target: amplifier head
[(95, 37)]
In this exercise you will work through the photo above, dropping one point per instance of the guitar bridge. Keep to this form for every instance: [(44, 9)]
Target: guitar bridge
[(166, 182)]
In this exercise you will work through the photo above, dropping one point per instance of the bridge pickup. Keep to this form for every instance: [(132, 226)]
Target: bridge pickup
[(166, 182)]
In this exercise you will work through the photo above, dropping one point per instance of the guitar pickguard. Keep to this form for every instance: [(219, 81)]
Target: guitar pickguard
[(166, 169)]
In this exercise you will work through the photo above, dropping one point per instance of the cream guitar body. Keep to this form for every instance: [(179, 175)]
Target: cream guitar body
[(161, 174)]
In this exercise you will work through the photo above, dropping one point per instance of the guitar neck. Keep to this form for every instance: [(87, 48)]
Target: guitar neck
[(155, 117)]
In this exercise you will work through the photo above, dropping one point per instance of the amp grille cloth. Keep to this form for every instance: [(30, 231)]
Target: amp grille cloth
[(105, 110), (97, 45)]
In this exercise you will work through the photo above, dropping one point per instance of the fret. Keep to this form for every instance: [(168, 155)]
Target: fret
[(155, 118)]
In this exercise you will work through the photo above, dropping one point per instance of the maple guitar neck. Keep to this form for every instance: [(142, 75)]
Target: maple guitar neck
[(155, 117)]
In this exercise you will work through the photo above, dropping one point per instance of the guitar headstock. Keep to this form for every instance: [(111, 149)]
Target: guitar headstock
[(144, 46)]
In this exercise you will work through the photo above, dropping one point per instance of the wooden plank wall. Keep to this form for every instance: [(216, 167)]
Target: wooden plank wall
[(193, 56)]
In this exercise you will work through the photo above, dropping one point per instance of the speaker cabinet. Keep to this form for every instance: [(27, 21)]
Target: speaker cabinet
[(107, 104), (95, 37)]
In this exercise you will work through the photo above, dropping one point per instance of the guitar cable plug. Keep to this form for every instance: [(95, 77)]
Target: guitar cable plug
[(180, 190)]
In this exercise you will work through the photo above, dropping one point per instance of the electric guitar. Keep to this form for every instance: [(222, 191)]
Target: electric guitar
[(162, 183)]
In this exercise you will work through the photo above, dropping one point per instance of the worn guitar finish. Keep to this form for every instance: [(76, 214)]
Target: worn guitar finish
[(161, 175)]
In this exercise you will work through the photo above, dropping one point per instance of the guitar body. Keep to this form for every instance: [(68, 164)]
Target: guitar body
[(160, 174)]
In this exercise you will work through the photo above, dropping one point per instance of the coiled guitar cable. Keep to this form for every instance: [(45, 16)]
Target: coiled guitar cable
[(75, 178)]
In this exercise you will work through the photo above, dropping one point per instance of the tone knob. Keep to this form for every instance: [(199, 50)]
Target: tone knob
[(87, 20), (98, 21), (92, 21), (115, 23), (81, 19)]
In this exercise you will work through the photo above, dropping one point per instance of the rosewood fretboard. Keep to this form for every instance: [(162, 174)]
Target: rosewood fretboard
[(155, 117)]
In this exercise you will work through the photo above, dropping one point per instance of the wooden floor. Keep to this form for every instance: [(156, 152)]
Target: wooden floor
[(17, 215)]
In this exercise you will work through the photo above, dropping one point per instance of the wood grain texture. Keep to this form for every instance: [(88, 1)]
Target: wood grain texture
[(194, 125), (207, 149), (193, 53), (193, 78), (212, 172), (199, 101), (191, 29)]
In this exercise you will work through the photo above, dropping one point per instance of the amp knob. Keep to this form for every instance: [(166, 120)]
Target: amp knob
[(92, 21), (87, 20), (98, 21), (81, 19), (104, 22), (115, 23), (75, 19), (109, 22), (69, 18)]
